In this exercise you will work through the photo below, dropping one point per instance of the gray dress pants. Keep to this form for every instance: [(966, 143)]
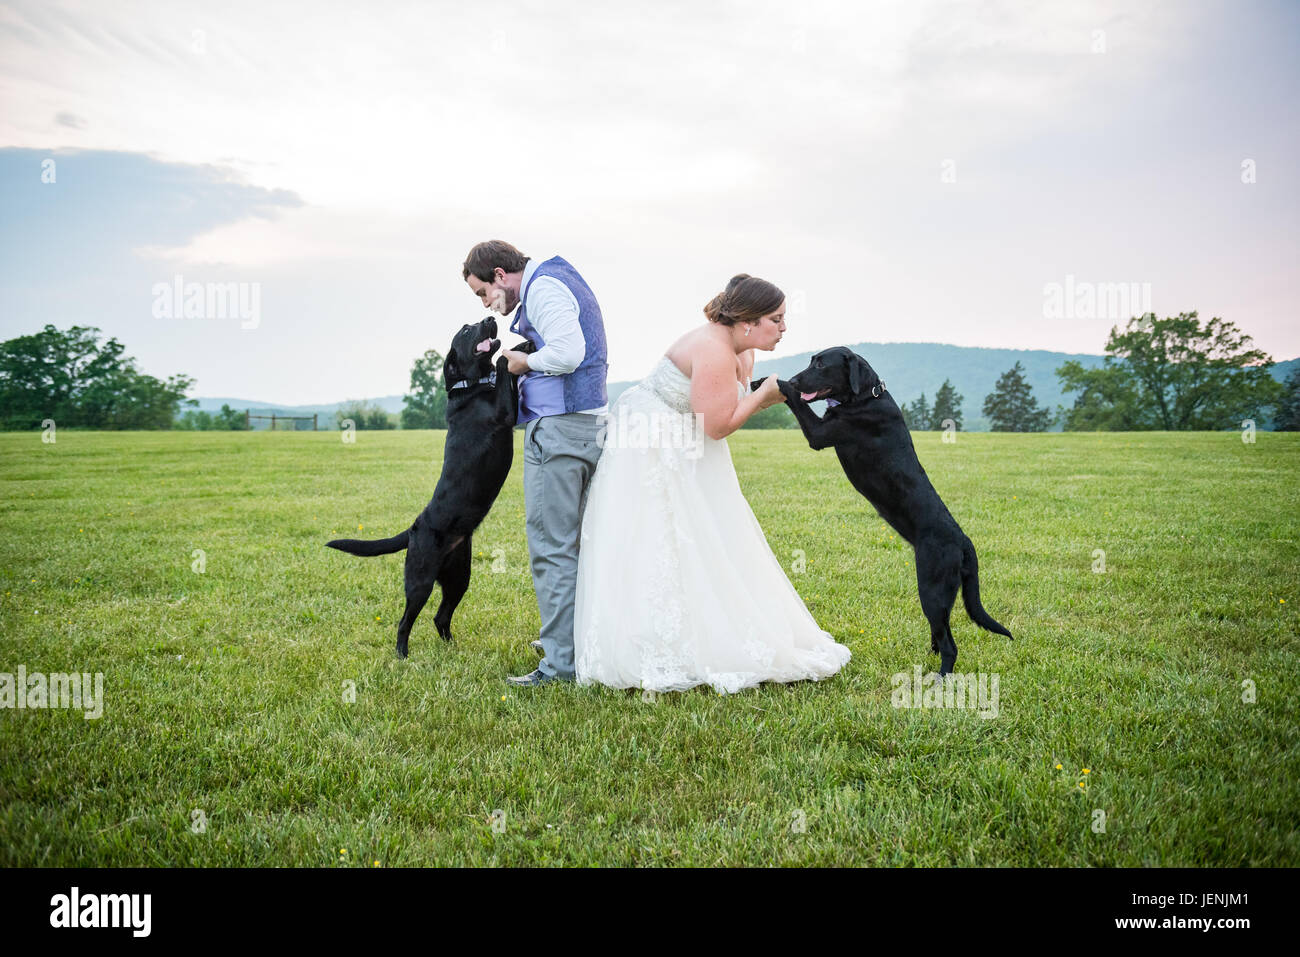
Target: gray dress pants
[(560, 456)]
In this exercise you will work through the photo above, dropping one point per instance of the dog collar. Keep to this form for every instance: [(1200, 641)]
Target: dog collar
[(877, 391), (465, 383)]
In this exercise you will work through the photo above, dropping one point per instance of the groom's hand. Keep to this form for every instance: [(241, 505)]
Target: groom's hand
[(517, 361)]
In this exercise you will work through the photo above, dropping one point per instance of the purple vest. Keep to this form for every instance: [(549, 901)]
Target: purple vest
[(583, 388)]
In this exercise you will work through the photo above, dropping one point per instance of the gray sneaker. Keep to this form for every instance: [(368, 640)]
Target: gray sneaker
[(537, 647), (532, 679)]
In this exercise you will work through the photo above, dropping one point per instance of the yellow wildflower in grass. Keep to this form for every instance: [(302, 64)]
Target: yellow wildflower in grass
[(1086, 771)]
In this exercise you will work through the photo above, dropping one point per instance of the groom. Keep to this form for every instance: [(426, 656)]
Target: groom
[(561, 396)]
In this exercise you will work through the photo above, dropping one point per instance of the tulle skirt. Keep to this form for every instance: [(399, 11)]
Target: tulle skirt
[(677, 585)]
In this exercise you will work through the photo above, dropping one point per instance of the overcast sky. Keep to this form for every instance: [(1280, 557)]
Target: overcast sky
[(913, 171)]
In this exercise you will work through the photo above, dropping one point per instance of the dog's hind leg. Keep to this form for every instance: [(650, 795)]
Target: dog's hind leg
[(938, 573), (421, 571), (454, 579), (941, 640)]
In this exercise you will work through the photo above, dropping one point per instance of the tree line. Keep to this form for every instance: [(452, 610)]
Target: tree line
[(78, 381), (1172, 374), (70, 377)]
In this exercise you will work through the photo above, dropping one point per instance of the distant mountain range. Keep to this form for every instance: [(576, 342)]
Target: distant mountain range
[(908, 368)]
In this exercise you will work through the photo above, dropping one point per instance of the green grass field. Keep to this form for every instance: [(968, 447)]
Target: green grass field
[(226, 738)]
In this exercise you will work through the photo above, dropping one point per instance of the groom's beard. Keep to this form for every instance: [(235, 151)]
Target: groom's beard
[(500, 301)]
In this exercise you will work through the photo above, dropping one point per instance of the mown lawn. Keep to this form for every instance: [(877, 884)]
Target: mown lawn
[(225, 690)]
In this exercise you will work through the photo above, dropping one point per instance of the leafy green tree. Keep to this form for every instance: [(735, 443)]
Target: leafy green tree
[(425, 407), (917, 415), (1108, 399), (947, 405), (364, 415), (1287, 418), (1011, 406), (194, 420), (1173, 374), (229, 419), (69, 377)]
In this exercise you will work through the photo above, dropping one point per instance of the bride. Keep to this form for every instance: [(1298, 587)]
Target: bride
[(677, 586)]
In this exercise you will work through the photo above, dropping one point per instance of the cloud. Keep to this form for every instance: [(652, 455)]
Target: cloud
[(349, 159), (101, 205), (70, 120)]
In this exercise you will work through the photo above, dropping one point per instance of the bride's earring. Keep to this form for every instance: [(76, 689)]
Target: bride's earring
[(748, 329)]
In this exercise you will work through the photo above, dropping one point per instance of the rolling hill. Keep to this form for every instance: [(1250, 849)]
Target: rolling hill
[(908, 368)]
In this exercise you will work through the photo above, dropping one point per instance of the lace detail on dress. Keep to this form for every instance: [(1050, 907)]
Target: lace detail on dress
[(673, 386)]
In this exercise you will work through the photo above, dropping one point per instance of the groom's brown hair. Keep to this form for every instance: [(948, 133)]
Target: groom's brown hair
[(484, 258)]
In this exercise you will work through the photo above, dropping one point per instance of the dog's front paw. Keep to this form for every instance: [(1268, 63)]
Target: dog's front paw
[(503, 366), (525, 347), (790, 393)]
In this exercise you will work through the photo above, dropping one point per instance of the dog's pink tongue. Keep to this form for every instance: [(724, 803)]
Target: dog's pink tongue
[(484, 346), (807, 396)]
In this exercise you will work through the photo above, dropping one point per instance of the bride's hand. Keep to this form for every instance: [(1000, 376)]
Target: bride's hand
[(769, 393)]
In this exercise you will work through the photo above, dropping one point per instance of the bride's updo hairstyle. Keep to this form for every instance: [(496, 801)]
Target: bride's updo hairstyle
[(746, 299)]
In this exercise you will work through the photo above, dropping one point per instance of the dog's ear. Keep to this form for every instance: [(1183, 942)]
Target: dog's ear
[(450, 369), (858, 373)]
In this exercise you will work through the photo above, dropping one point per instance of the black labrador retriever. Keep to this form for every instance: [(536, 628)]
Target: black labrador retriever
[(482, 404), (866, 428)]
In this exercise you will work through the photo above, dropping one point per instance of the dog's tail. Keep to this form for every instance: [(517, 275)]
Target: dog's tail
[(380, 546), (970, 591)]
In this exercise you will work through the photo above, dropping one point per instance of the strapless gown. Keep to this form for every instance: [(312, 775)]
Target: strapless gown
[(677, 585)]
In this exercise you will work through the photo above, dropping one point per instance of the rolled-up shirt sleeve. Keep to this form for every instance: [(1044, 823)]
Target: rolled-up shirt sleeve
[(553, 312)]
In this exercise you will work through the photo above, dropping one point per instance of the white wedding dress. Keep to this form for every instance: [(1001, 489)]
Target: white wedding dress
[(677, 585)]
